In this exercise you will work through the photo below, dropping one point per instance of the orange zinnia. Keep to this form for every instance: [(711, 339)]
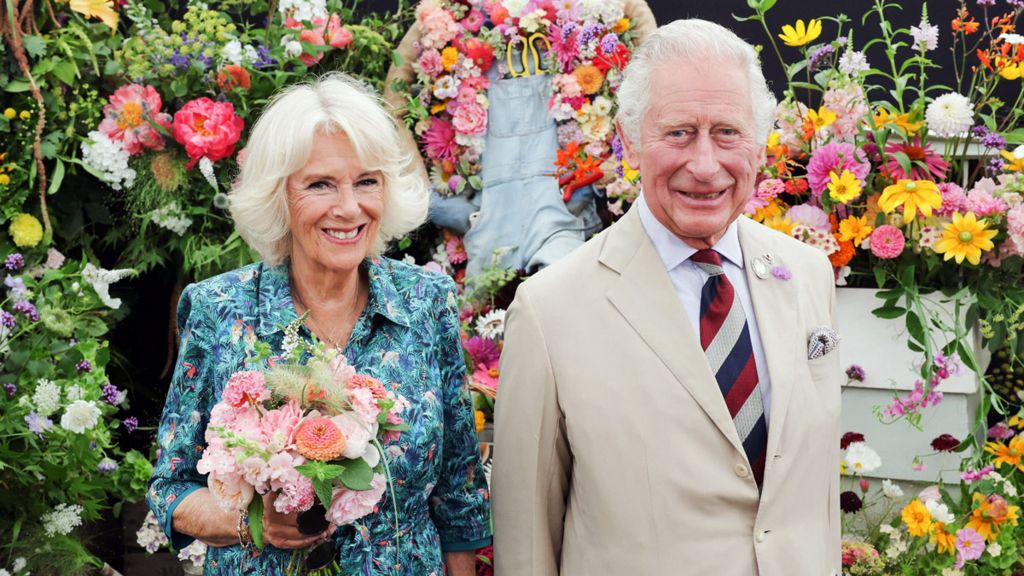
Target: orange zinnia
[(319, 439), (845, 253), (589, 78)]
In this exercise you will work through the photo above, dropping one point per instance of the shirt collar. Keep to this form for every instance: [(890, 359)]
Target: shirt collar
[(674, 251), (277, 310)]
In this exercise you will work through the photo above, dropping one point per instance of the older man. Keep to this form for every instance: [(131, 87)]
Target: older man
[(670, 392)]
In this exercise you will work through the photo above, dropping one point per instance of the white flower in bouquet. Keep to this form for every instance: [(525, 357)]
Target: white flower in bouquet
[(891, 489), (491, 325), (193, 557), (861, 458), (606, 11), (1010, 38), (19, 564), (232, 52), (75, 392), (303, 10), (994, 549), (80, 416), (853, 63), (292, 48), (171, 217), (150, 535), (939, 511), (514, 7), (950, 115), (101, 279), (206, 169), (926, 36), (108, 159), (46, 398), (63, 519)]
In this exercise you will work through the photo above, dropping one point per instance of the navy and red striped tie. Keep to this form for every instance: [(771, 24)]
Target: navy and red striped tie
[(725, 338)]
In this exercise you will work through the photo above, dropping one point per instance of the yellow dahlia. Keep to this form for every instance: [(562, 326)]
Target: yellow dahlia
[(965, 237), (854, 229), (26, 230), (912, 195)]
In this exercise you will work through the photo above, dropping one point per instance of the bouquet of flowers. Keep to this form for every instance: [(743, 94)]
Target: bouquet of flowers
[(582, 44), (310, 432)]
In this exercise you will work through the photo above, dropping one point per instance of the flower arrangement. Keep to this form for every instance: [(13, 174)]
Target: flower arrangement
[(583, 45), (868, 165), (309, 432)]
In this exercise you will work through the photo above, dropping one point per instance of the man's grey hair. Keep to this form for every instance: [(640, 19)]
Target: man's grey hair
[(696, 41)]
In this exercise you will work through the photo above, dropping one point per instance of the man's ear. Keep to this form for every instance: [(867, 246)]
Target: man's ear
[(631, 150)]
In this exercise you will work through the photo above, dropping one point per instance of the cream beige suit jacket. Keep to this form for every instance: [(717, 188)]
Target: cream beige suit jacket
[(614, 450)]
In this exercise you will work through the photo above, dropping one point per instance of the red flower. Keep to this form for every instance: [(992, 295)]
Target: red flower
[(796, 186), (480, 52), (207, 128), (945, 443), (850, 438), (485, 561), (617, 59), (233, 76)]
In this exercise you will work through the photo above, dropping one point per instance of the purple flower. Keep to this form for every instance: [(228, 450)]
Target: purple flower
[(263, 58), (28, 309), (819, 56), (781, 272), (106, 466), (17, 286), (112, 395), (130, 424), (995, 166), (975, 475), (849, 502), (589, 32), (969, 545), (179, 61), (482, 350), (986, 2), (14, 261), (11, 388), (7, 319), (84, 366), (609, 42), (38, 424), (855, 372), (1000, 431), (987, 138)]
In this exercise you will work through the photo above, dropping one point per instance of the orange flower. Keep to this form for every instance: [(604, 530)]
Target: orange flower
[(233, 76), (917, 518), (964, 22), (319, 439), (589, 78), (481, 420), (1007, 454), (943, 540), (845, 253), (990, 514)]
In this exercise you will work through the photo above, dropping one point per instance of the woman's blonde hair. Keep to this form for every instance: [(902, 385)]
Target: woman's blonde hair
[(281, 143)]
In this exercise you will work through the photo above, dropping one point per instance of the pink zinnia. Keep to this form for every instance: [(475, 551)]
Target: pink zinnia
[(934, 167), (127, 118), (953, 199), (456, 250), (439, 140), (473, 21), (887, 242), (835, 157), (486, 374), (319, 439), (207, 128)]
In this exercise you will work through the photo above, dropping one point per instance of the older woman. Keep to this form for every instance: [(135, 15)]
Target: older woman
[(322, 190)]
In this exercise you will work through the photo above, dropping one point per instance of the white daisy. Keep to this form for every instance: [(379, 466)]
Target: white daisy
[(491, 325), (861, 458)]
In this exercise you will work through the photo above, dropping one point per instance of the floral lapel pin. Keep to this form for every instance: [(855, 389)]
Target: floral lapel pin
[(765, 265)]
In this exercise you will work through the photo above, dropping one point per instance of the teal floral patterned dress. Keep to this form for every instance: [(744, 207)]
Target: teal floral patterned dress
[(408, 335)]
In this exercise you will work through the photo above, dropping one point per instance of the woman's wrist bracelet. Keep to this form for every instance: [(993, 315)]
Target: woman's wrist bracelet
[(244, 535)]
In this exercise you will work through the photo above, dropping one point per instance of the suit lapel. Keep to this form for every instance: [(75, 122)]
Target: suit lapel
[(776, 310), (644, 295)]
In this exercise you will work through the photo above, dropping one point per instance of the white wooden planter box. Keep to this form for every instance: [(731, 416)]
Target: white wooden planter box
[(879, 346)]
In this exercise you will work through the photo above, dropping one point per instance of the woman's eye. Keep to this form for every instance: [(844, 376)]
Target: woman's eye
[(368, 182), (319, 185)]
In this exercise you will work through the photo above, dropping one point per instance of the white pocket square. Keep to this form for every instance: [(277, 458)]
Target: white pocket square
[(821, 341)]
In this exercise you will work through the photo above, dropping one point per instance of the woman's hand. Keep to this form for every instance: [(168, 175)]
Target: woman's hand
[(280, 530), (460, 563)]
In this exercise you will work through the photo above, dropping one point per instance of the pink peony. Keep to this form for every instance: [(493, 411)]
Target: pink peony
[(437, 24), (231, 492), (244, 387), (278, 425), (887, 242), (128, 115), (347, 506), (953, 199), (430, 63), (281, 469), (296, 496), (439, 140), (835, 157), (470, 119), (207, 128), (337, 35)]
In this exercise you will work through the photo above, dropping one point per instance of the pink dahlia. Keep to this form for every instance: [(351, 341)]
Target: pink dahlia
[(887, 242), (835, 157), (925, 163), (982, 201), (207, 128), (953, 199), (482, 350), (439, 140), (127, 118)]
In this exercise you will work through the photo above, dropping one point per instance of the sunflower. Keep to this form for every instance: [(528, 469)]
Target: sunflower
[(801, 34), (965, 237), (1007, 454), (917, 518), (912, 195)]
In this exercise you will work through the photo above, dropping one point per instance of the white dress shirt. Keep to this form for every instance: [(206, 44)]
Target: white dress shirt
[(688, 280)]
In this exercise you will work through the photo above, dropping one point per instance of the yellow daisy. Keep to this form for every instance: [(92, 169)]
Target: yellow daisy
[(965, 237), (844, 187), (855, 229), (912, 195), (1007, 454), (1014, 162), (784, 225), (801, 34), (901, 121), (917, 518), (102, 9), (821, 118)]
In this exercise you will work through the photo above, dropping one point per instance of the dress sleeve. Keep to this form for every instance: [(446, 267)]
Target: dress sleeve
[(180, 435), (460, 503)]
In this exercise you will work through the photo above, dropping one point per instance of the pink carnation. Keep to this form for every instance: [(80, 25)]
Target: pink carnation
[(835, 157), (470, 119), (430, 63), (278, 425), (128, 115), (207, 128), (244, 387), (437, 24), (296, 496), (887, 242), (953, 199), (347, 506)]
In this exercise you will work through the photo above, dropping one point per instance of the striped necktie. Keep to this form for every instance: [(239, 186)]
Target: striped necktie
[(725, 338)]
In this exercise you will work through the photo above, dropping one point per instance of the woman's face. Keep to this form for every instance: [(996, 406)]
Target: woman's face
[(335, 205)]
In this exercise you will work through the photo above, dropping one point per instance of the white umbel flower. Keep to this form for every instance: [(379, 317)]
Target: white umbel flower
[(108, 160), (46, 397), (63, 519), (491, 325), (950, 115), (861, 458), (80, 416), (171, 217)]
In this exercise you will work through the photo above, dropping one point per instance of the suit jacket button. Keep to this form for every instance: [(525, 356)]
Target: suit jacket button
[(741, 470), (761, 535)]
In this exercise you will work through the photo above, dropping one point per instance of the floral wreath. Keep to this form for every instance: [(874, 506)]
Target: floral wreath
[(583, 44)]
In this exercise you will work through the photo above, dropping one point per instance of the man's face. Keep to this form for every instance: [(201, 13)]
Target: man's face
[(697, 154)]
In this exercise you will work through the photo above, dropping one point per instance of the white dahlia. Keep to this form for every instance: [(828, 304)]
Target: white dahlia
[(950, 115)]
